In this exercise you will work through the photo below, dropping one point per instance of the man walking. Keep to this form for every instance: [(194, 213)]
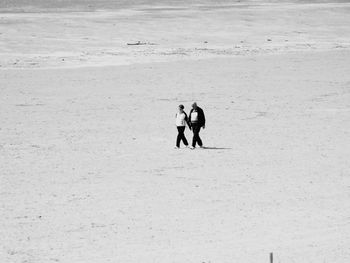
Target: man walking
[(181, 120), (197, 121)]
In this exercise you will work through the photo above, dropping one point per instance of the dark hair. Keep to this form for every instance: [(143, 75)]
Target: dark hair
[(181, 106)]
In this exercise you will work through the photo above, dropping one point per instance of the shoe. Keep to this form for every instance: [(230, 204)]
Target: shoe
[(192, 148), (202, 147), (176, 147)]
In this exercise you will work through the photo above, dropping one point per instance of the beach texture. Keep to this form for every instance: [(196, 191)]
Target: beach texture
[(88, 169)]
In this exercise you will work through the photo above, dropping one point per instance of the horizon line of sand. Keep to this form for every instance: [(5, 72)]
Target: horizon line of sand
[(37, 8)]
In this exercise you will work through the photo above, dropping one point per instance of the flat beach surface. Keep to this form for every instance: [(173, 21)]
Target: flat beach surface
[(88, 169), (61, 36)]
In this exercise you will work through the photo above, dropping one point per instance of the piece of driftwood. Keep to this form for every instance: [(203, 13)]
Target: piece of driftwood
[(136, 44), (139, 43)]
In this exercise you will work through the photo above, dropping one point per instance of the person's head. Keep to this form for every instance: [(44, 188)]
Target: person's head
[(194, 105), (181, 108)]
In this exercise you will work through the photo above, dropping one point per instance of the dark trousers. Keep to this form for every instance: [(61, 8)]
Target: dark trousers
[(196, 139), (181, 136)]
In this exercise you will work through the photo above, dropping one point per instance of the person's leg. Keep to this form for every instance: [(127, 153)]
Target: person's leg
[(183, 138), (195, 129), (199, 140), (179, 136), (194, 135)]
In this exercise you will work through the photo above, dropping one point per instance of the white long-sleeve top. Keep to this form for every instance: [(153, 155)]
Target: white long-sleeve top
[(180, 119)]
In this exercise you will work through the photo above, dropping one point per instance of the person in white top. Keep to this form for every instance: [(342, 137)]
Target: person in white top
[(180, 121)]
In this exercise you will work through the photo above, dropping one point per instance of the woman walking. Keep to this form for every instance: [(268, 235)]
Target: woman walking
[(181, 120)]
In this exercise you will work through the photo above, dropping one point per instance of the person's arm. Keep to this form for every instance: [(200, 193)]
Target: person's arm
[(203, 119), (187, 121)]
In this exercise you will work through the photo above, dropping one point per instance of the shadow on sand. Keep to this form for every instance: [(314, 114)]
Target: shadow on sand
[(216, 148)]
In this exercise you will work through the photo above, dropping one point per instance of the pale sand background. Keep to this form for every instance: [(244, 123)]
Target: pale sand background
[(170, 32), (88, 173)]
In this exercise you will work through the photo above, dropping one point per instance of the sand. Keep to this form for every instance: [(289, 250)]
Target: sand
[(168, 32), (88, 169)]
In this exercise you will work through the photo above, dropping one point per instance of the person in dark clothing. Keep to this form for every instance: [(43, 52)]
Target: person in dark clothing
[(197, 121), (181, 120)]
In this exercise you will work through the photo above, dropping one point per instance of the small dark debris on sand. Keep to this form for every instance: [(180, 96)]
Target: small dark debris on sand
[(139, 43)]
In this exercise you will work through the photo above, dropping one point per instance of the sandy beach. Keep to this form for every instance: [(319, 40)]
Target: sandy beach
[(167, 32), (88, 169)]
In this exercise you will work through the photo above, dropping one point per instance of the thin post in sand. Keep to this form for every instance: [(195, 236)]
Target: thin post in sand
[(271, 257)]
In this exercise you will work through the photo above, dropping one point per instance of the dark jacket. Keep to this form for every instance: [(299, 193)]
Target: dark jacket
[(201, 117)]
